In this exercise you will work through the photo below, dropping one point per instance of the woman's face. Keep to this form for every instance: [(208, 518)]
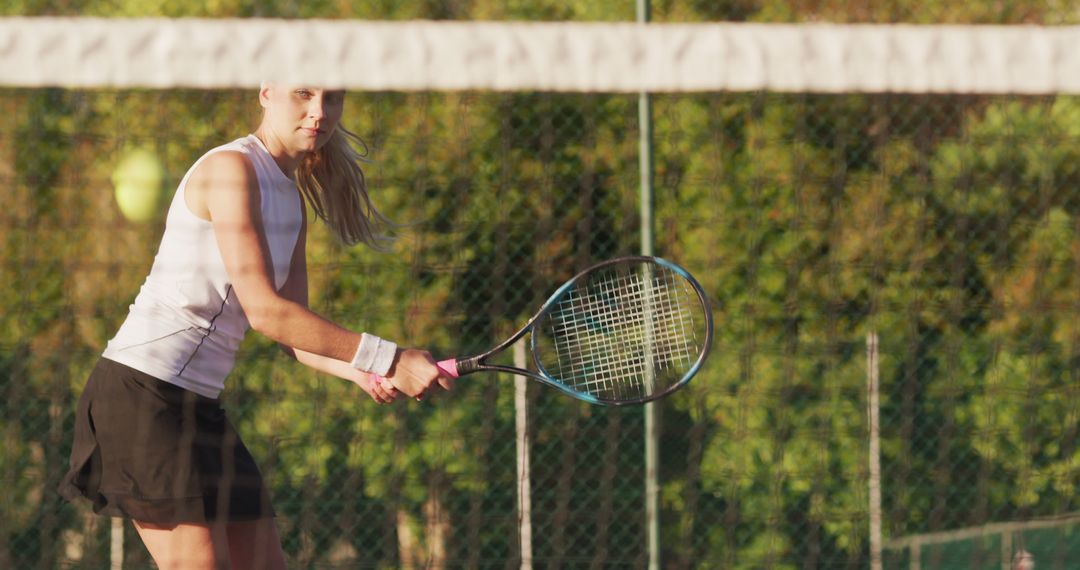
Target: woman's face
[(302, 118)]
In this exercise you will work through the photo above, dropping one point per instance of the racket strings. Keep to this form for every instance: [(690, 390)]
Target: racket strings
[(625, 334)]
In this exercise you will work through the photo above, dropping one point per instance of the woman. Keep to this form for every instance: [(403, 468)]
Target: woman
[(151, 440)]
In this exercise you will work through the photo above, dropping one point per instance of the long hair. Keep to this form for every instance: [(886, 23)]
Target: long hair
[(332, 181)]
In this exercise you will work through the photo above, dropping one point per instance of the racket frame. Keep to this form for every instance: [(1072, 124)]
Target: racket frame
[(470, 364)]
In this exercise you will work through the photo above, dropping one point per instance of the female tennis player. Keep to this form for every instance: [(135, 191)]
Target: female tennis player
[(152, 442)]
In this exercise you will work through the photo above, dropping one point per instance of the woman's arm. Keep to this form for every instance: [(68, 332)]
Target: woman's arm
[(225, 183), (224, 189), (296, 289), (381, 392)]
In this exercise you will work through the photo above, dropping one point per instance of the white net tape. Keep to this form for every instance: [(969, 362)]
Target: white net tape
[(564, 56)]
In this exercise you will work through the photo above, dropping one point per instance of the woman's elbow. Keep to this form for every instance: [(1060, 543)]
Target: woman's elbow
[(263, 319), (289, 351), (273, 317)]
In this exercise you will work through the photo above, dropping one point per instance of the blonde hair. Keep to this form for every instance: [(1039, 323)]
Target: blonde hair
[(332, 181)]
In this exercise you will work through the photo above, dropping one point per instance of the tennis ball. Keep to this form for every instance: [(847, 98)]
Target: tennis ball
[(137, 183)]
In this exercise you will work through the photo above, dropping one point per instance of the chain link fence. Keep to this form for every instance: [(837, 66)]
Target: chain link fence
[(949, 226)]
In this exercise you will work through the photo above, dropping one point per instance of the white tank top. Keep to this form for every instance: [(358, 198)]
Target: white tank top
[(186, 324)]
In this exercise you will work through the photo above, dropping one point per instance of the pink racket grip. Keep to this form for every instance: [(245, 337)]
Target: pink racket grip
[(447, 367)]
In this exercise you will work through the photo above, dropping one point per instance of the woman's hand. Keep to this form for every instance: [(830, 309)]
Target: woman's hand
[(378, 388), (414, 372)]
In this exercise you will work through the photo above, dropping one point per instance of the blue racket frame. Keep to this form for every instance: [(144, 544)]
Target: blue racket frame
[(476, 363)]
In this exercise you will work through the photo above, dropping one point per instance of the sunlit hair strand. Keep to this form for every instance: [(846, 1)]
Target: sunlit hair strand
[(333, 183)]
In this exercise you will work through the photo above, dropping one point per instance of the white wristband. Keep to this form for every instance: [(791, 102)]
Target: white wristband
[(374, 355)]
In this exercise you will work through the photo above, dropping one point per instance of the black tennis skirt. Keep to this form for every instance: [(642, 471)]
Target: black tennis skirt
[(157, 453)]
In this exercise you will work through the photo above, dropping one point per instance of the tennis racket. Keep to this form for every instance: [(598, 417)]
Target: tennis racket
[(625, 331)]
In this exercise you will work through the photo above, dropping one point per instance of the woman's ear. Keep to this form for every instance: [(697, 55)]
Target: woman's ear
[(264, 93)]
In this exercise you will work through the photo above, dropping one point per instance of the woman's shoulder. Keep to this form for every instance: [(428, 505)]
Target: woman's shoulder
[(232, 151), (249, 144), (225, 166)]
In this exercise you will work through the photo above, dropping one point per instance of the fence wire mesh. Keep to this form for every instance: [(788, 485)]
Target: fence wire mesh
[(947, 225)]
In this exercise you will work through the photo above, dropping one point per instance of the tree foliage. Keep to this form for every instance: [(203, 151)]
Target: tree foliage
[(949, 226)]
